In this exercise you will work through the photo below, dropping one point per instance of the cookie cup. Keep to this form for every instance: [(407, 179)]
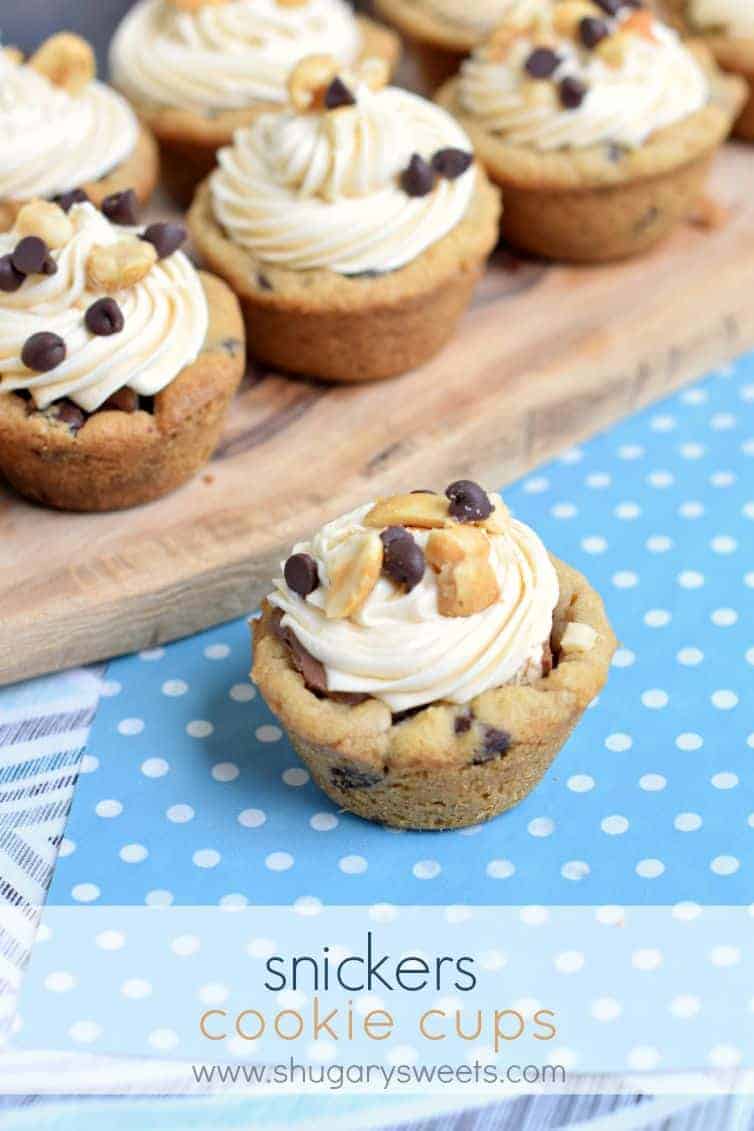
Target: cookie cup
[(119, 459), (189, 140), (354, 328), (140, 172), (429, 771), (438, 46), (601, 203)]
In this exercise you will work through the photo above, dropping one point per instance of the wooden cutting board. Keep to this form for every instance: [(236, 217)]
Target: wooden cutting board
[(547, 356)]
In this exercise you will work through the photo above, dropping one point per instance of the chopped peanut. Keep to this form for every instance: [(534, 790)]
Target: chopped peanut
[(46, 220), (357, 568), (66, 60), (119, 265)]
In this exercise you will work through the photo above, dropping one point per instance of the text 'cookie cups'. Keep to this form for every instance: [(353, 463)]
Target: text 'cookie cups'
[(727, 28), (353, 225), (599, 128), (428, 658), (118, 360), (63, 131), (197, 71)]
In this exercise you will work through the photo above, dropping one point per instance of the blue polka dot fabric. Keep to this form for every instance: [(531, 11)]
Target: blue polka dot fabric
[(191, 794)]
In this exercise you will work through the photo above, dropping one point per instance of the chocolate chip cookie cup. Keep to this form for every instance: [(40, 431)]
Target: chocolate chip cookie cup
[(196, 71), (727, 29), (65, 135), (598, 124), (428, 658), (352, 261), (118, 360)]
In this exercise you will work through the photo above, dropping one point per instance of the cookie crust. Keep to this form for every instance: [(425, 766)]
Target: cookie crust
[(118, 459), (432, 771), (348, 329)]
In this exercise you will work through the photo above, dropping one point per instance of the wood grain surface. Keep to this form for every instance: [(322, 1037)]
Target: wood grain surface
[(547, 356)]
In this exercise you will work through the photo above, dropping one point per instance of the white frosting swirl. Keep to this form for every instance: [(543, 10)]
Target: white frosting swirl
[(54, 141), (323, 189), (657, 83), (165, 315), (227, 56), (733, 17), (483, 15), (400, 649)]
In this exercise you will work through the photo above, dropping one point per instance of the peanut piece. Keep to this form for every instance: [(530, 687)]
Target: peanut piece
[(354, 574), (47, 220), (119, 265), (309, 80), (466, 581), (577, 637), (13, 55), (421, 509), (640, 23), (67, 61), (375, 73)]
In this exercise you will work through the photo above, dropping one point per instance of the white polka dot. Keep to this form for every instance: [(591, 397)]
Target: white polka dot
[(534, 916), (85, 1032), (575, 870), (206, 858), (722, 421), (725, 955), (663, 423), (564, 510), (580, 783), (749, 580), (252, 818), (659, 543), (242, 692), (722, 479), (158, 898), (269, 733), (657, 618), (85, 893), (748, 447), (594, 544), (625, 579), (59, 982), (597, 480), (650, 869), (500, 869), (492, 960), (88, 764), (724, 618), (643, 1058), (624, 658), (199, 728), (655, 698), (723, 544), (150, 655), (692, 450), (213, 993), (295, 776), (216, 651), (685, 1006), (747, 510), (110, 940), (458, 914), (630, 451), (694, 396), (690, 657), (225, 771), (184, 946), (133, 853), (572, 455), (233, 901), (660, 479), (725, 865), (726, 779), (67, 847), (536, 485), (352, 865), (725, 1056), (163, 1040), (687, 822), (174, 687), (130, 727), (323, 822), (724, 700), (155, 767), (689, 741), (110, 688), (627, 511), (614, 825), (541, 826), (686, 911), (308, 906), (136, 989), (569, 962), (646, 959), (180, 814), (691, 579), (108, 808), (278, 861), (383, 913), (606, 1009), (652, 783), (619, 742), (424, 869)]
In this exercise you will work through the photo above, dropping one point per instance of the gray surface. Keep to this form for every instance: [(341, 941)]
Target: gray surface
[(27, 22)]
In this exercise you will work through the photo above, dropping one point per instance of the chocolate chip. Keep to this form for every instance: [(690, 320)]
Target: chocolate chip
[(43, 352), (337, 95), (66, 200), (468, 501), (30, 255), (49, 267), (104, 317), (125, 400), (451, 163), (542, 63), (615, 153), (146, 404), (496, 743), (462, 724), (592, 31), (311, 670), (403, 560), (263, 282), (69, 414), (399, 717), (572, 92), (301, 575), (612, 7), (419, 178), (348, 777), (10, 278), (165, 238), (122, 208)]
